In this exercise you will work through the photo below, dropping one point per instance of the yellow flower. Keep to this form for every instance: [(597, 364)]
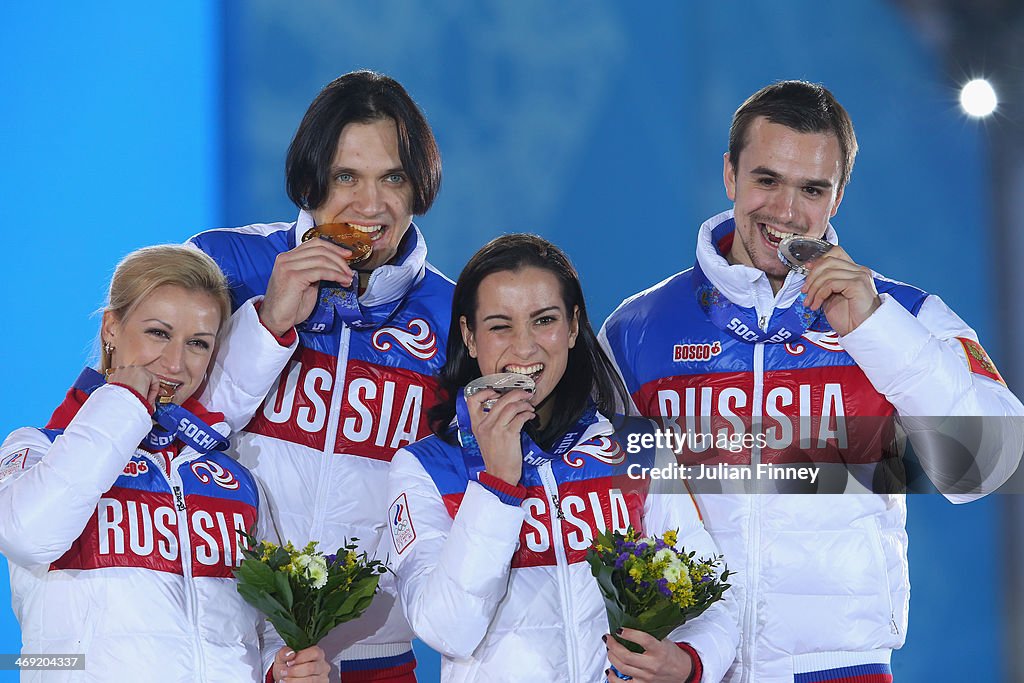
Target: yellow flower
[(672, 537)]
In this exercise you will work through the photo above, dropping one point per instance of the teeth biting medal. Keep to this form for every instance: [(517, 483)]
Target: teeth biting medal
[(344, 235), (796, 251), (502, 382)]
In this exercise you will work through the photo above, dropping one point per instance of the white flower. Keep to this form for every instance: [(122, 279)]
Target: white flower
[(317, 571), (299, 564), (665, 555), (676, 572)]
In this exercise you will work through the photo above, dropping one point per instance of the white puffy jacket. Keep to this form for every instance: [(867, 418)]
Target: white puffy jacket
[(823, 579), (116, 558), (504, 591)]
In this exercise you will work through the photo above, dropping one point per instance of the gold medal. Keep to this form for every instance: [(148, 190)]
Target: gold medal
[(344, 235)]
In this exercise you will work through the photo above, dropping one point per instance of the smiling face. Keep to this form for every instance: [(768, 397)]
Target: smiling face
[(171, 333), (521, 325), (786, 182), (369, 189)]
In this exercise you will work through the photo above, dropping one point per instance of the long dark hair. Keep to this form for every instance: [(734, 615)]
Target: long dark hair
[(589, 375), (361, 97)]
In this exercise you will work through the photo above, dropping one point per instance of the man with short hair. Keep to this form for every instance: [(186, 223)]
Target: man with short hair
[(740, 341), (361, 164)]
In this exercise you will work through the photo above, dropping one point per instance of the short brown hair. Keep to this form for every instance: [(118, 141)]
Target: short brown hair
[(804, 107)]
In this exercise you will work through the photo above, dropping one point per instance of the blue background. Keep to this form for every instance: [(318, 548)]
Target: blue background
[(599, 124)]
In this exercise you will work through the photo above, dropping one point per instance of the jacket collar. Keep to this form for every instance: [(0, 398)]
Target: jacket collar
[(742, 285)]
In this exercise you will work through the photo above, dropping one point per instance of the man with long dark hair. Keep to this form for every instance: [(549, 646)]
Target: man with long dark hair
[(362, 163)]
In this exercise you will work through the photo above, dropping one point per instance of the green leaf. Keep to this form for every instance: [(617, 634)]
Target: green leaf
[(283, 587), (256, 574)]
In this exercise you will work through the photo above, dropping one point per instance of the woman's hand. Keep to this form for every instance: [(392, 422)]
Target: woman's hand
[(144, 382), (662, 662), (497, 431), (305, 665)]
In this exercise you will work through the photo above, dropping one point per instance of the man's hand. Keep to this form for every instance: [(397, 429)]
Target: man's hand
[(309, 665), (662, 662), (845, 291), (295, 282), (497, 431)]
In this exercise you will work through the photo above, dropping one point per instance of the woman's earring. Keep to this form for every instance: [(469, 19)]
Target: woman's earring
[(108, 348), (304, 202)]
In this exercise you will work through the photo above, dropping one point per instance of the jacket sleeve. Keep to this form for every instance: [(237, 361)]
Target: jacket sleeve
[(607, 347), (267, 530), (715, 634), (451, 574), (249, 360), (48, 492), (964, 424)]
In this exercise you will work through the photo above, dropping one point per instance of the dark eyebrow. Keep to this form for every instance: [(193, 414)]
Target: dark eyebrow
[(540, 311), (534, 314), (811, 182), (351, 171)]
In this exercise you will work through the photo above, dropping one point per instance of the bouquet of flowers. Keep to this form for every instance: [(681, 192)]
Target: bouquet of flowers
[(650, 586), (304, 593)]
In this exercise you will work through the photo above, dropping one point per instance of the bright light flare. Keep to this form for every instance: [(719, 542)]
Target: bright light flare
[(978, 98)]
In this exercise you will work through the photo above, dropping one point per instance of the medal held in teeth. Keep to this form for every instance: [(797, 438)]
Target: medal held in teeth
[(165, 394), (502, 382), (796, 252), (344, 235)]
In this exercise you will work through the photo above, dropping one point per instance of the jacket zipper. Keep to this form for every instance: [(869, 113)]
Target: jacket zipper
[(185, 556), (561, 562), (754, 524), (331, 439), (876, 537)]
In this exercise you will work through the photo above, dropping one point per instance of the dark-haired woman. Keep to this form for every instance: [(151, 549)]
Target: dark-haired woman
[(492, 516)]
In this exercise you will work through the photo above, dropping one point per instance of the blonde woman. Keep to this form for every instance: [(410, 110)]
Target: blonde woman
[(118, 519)]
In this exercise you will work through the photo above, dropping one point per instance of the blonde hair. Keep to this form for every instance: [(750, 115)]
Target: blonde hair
[(144, 270)]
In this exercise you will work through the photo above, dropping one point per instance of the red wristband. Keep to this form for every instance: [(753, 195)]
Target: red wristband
[(698, 668), (286, 339), (506, 492), (149, 408)]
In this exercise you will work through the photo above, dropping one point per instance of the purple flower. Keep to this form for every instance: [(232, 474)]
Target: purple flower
[(621, 560), (645, 584), (330, 559), (663, 588), (704, 579), (640, 549)]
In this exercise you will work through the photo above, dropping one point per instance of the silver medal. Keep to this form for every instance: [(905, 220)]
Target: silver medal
[(796, 252), (502, 382)]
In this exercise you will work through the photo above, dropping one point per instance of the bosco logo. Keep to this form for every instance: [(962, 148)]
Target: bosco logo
[(691, 352), (417, 339), (208, 470)]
